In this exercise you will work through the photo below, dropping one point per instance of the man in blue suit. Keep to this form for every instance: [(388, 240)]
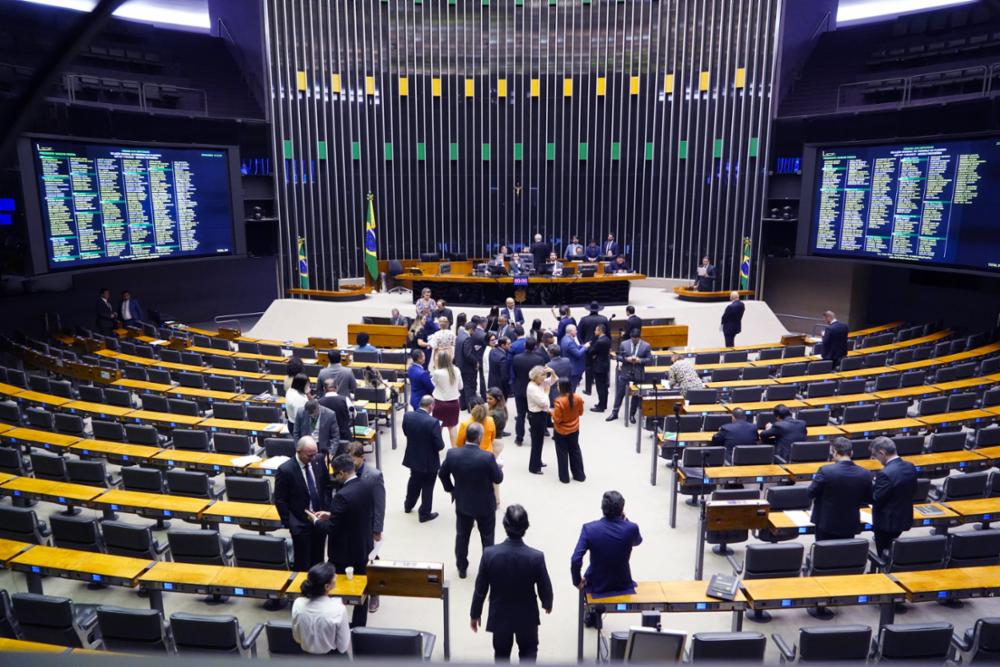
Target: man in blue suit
[(422, 456), (838, 491), (576, 353), (420, 379), (834, 339), (783, 432), (737, 432), (610, 247), (130, 310), (609, 541), (892, 494)]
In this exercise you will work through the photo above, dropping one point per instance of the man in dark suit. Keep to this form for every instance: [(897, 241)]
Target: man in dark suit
[(516, 578), (585, 330), (737, 432), (443, 310), (468, 474), (599, 358), (106, 318), (540, 252), (732, 318), (838, 491), (479, 339), (498, 366), (513, 312), (341, 406), (300, 485), (321, 423), (470, 358), (610, 541), (834, 339), (619, 265), (892, 494), (632, 321), (704, 277), (561, 366), (130, 311), (520, 367), (422, 457), (348, 525), (610, 247), (635, 354), (783, 432)]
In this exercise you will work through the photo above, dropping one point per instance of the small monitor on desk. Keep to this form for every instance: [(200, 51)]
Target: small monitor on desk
[(429, 257), (649, 646), (588, 270), (547, 269), (568, 271), (444, 268)]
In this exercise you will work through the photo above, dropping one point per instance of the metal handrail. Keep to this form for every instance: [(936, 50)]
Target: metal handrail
[(200, 91), (988, 72)]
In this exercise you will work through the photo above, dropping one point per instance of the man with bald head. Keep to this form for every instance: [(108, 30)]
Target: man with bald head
[(301, 485), (834, 346), (576, 353), (732, 318)]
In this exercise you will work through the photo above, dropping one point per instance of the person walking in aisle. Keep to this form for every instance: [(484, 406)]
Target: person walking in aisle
[(537, 394), (447, 390), (732, 318), (422, 456), (566, 426)]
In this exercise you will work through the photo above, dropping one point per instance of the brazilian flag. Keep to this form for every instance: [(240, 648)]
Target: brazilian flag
[(303, 264), (745, 265), (371, 245)]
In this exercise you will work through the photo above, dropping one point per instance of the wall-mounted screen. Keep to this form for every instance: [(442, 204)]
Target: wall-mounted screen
[(106, 204), (928, 202)]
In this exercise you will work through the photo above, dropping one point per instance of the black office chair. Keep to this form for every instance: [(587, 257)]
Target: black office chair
[(49, 466), (752, 455), (692, 461), (56, 620), (908, 554), (702, 396), (256, 387), (809, 452), (720, 647), (191, 380), (768, 561), (191, 440), (821, 389), (118, 397), (946, 442), (196, 633), (94, 473), (851, 386), (963, 486), (922, 492), (987, 437), (203, 547), (933, 406), (9, 628), (861, 448), (780, 392), (755, 372), (725, 374), (68, 424), (12, 463), (263, 413), (909, 445), (966, 401), (929, 642), (232, 443), (248, 490), (279, 447), (223, 383), (261, 551), (912, 379), (722, 538), (155, 403), (855, 414), (819, 367), (81, 533), (391, 643), (820, 643), (104, 430), (134, 630), (887, 381), (223, 363), (39, 418), (746, 395), (770, 354), (974, 548), (193, 484), (280, 640), (134, 540), (234, 411), (142, 434), (891, 410), (780, 499), (145, 480), (828, 557), (981, 642), (61, 388), (814, 416), (22, 525), (715, 421), (183, 407)]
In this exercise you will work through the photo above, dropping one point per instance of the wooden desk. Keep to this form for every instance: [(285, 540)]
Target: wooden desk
[(805, 379), (853, 589), (762, 406), (688, 294), (150, 505), (460, 289), (959, 417), (785, 521), (800, 472), (906, 392), (63, 493), (164, 418), (179, 578), (960, 460), (797, 592), (101, 410), (945, 584), (734, 384), (351, 591), (876, 329), (119, 453), (975, 510), (25, 646), (785, 360), (966, 383), (991, 453), (251, 428), (783, 593), (193, 392), (11, 548), (827, 401), (744, 474), (78, 565), (250, 582), (30, 437), (880, 427), (209, 462), (142, 385), (258, 516), (868, 372), (38, 397), (823, 432)]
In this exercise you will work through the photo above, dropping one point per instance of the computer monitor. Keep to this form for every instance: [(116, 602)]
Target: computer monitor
[(649, 645), (588, 270), (444, 268), (429, 257), (547, 268), (457, 256), (568, 271)]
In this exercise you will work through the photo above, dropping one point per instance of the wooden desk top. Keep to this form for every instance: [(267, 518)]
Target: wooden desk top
[(807, 470), (459, 278), (782, 520), (43, 487), (210, 350), (182, 455), (804, 379), (11, 548), (858, 585), (905, 392), (827, 431), (98, 408), (129, 383), (9, 389), (137, 452), (951, 417), (241, 510), (765, 405), (694, 436), (164, 418), (252, 398), (182, 573), (733, 384), (838, 400), (24, 646), (202, 393), (239, 425), (939, 458), (691, 592), (785, 588), (991, 453), (44, 399), (785, 360), (763, 472), (977, 507), (645, 592), (72, 560), (867, 372), (5, 477), (705, 408), (251, 577), (6, 427), (928, 581), (966, 383), (889, 347), (154, 501), (876, 329), (342, 586), (42, 437), (880, 426)]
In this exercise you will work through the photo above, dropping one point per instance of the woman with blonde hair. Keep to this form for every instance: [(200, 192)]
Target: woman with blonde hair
[(442, 340), (447, 389), (541, 380), (481, 414)]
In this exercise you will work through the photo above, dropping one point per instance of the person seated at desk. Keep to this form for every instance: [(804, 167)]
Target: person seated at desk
[(783, 432), (683, 376), (838, 491), (319, 621), (574, 251), (362, 344), (130, 310), (398, 320), (704, 277), (736, 433), (592, 251), (552, 266), (516, 267), (620, 265)]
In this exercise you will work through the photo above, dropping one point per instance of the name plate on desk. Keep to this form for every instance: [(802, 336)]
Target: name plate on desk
[(736, 514), (406, 579)]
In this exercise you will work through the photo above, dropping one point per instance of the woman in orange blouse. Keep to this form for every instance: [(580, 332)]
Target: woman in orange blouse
[(566, 424), (479, 413)]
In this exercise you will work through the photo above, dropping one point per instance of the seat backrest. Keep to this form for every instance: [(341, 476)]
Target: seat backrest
[(887, 381), (854, 414), (228, 411), (88, 472), (808, 452), (38, 383), (793, 370), (386, 642), (91, 393), (909, 445), (48, 466), (933, 406), (755, 373), (159, 375), (702, 396), (838, 557), (189, 483), (179, 406), (196, 546), (735, 357), (794, 351), (46, 618), (262, 551), (926, 552), (771, 353), (849, 386), (851, 363), (257, 387), (707, 456), (987, 437), (191, 439), (279, 447), (780, 392), (248, 489), (966, 485), (142, 434), (104, 430), (974, 548), (987, 639), (783, 498), (155, 402), (68, 424), (713, 421), (11, 461), (818, 643), (73, 532), (814, 416), (746, 394), (20, 524), (946, 442), (913, 378), (263, 413), (280, 640), (966, 401), (201, 633), (720, 646), (118, 397), (819, 367), (773, 560), (221, 383), (725, 374), (128, 539), (891, 410), (915, 641), (39, 418), (131, 629), (922, 490), (745, 455), (703, 358), (8, 623), (232, 443), (135, 478), (821, 389)]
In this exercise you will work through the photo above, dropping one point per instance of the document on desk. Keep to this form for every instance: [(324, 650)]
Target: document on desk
[(375, 552), (274, 462), (274, 428), (799, 517), (865, 516), (243, 461)]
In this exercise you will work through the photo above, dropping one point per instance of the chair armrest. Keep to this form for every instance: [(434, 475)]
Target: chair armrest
[(787, 652), (958, 641), (737, 567), (875, 559), (250, 641), (161, 549), (429, 638)]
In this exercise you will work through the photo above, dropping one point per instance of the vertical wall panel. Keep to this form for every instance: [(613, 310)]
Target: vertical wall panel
[(481, 123)]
